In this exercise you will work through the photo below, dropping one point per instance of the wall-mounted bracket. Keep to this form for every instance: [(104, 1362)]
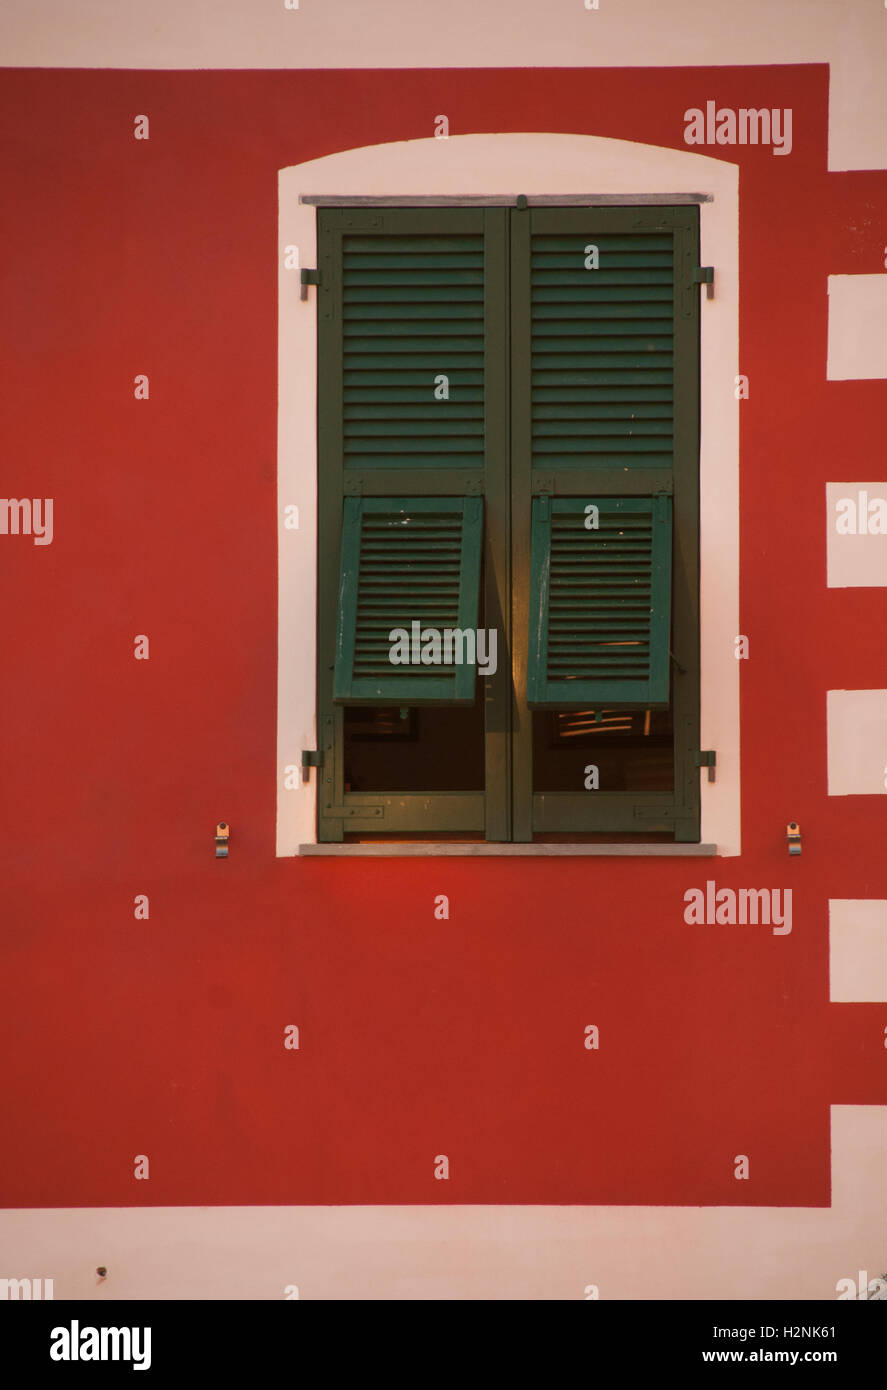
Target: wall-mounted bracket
[(222, 833), (707, 757), (703, 275), (309, 277), (793, 837)]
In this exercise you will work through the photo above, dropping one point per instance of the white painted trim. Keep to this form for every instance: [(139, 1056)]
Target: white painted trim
[(855, 745), (857, 312), (857, 937), (536, 164), (564, 200), (474, 1252), (401, 35)]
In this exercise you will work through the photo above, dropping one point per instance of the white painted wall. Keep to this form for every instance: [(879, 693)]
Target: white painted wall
[(856, 722), (857, 950), (506, 165), (856, 559), (857, 326)]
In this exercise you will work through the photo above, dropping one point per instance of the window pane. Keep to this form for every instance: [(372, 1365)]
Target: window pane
[(415, 750), (632, 750)]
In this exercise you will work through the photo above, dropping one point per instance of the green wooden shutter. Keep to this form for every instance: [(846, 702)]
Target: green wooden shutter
[(602, 350), (408, 295), (412, 312), (600, 602), (408, 564)]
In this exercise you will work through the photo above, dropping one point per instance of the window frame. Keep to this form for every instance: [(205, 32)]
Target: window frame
[(548, 169), (509, 810)]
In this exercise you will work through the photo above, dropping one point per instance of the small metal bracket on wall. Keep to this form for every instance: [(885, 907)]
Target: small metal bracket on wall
[(793, 837), (222, 831), (309, 277), (707, 758), (703, 275), (311, 757)]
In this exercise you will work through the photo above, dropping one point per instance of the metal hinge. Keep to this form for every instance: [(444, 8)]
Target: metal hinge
[(375, 812), (707, 757), (705, 275), (309, 277), (311, 757)]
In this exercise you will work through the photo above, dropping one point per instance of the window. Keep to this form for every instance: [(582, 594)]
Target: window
[(508, 429)]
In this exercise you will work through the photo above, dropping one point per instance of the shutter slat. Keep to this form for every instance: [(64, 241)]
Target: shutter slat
[(571, 278), (404, 377), (592, 396), (396, 295), (604, 292), (547, 380), (631, 258)]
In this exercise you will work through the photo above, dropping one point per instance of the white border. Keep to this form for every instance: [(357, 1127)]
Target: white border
[(478, 1252), (506, 165), (337, 34)]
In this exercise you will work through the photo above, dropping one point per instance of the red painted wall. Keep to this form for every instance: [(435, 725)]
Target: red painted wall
[(165, 1037)]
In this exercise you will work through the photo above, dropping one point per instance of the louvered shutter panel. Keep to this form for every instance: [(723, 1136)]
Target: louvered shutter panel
[(600, 602), (602, 351), (413, 312), (405, 562)]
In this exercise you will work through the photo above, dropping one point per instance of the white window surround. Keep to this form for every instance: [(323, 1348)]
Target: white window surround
[(503, 166)]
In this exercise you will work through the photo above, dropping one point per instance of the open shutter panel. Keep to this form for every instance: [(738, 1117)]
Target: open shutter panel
[(407, 561), (600, 602), (603, 350)]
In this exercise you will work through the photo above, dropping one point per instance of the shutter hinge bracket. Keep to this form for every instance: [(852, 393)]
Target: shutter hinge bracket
[(311, 757), (375, 812), (309, 277), (705, 275), (707, 757)]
